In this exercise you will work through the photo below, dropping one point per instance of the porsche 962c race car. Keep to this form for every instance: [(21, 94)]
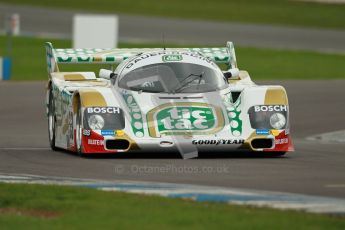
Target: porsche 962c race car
[(173, 99)]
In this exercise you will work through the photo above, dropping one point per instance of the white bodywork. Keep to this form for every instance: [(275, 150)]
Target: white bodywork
[(217, 120)]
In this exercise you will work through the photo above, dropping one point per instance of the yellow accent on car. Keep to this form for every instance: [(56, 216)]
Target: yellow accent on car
[(120, 133), (91, 98), (275, 132), (97, 58), (74, 77), (276, 96)]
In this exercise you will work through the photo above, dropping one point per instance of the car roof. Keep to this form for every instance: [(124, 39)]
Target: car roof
[(164, 56)]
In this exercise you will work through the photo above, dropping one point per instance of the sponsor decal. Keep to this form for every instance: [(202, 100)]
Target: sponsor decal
[(172, 57), (262, 117), (86, 132), (270, 108), (185, 118), (275, 132), (262, 132), (218, 142), (142, 57), (191, 54), (200, 57), (108, 133), (281, 141), (95, 142), (103, 110)]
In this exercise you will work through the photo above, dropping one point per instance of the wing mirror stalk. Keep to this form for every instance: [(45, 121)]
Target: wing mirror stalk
[(107, 74), (231, 73)]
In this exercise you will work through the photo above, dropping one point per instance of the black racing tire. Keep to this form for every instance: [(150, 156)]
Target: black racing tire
[(275, 154), (51, 121), (78, 128)]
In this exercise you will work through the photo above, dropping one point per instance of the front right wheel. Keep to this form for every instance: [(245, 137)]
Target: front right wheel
[(275, 154)]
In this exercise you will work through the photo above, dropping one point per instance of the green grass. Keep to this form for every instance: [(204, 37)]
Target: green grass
[(278, 12), (60, 207), (29, 61)]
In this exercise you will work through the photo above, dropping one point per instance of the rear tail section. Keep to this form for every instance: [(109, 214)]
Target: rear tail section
[(220, 55), (232, 55), (51, 61)]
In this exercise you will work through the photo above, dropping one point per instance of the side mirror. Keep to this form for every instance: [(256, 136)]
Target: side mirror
[(107, 74), (231, 73)]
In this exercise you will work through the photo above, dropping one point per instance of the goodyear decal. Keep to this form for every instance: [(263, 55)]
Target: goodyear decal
[(218, 142)]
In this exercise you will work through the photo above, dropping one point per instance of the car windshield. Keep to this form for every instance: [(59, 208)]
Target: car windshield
[(173, 78)]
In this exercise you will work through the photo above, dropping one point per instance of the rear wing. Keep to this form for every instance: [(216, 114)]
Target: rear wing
[(220, 55)]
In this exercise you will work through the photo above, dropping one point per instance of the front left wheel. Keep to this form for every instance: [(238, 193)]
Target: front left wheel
[(51, 121), (78, 132)]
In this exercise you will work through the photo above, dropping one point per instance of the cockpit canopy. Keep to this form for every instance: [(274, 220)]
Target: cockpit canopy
[(173, 77)]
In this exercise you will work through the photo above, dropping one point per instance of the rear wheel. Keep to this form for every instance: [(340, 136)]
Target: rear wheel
[(51, 121)]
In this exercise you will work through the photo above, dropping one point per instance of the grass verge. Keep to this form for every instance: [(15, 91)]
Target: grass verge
[(60, 207), (28, 55), (278, 12)]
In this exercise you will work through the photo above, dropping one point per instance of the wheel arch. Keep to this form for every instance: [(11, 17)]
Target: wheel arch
[(88, 98), (48, 89)]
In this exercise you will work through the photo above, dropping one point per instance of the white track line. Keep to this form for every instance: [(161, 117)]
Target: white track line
[(335, 185), (337, 136), (313, 204)]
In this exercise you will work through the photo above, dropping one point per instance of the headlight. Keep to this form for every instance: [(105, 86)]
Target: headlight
[(277, 120), (96, 122)]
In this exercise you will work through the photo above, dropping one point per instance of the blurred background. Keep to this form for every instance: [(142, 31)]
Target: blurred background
[(273, 39)]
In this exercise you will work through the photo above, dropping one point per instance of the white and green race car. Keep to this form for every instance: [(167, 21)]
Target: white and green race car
[(173, 99)]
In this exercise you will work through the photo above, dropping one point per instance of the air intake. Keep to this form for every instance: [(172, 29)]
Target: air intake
[(262, 143), (119, 144)]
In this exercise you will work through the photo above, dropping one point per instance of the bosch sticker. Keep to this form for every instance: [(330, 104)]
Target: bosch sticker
[(103, 110), (270, 108)]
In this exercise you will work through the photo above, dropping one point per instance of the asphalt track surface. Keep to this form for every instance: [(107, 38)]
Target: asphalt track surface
[(315, 168), (38, 21)]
